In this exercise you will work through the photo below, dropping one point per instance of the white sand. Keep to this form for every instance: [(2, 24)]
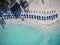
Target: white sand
[(48, 24), (33, 22)]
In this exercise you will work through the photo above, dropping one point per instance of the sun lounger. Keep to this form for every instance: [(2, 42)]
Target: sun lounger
[(50, 17), (39, 17), (44, 17), (34, 16), (29, 16), (47, 17), (26, 15), (56, 15)]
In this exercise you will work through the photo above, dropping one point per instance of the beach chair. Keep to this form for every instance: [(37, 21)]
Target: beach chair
[(26, 15), (29, 16), (16, 15), (56, 15), (34, 16), (20, 16), (47, 17), (50, 17), (5, 16), (39, 17), (44, 17), (10, 16)]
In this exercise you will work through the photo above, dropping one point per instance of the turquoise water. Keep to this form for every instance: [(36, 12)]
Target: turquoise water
[(19, 34)]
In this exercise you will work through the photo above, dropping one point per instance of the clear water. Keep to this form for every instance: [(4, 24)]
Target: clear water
[(19, 34)]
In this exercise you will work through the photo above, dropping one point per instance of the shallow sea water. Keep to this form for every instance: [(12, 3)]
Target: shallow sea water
[(19, 34)]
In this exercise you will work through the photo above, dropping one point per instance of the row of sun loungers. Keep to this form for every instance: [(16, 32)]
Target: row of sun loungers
[(31, 16)]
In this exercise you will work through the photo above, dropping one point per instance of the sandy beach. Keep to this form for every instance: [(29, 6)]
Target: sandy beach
[(44, 24), (33, 22)]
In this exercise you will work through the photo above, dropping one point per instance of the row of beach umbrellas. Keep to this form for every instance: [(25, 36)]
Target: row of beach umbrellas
[(31, 16)]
